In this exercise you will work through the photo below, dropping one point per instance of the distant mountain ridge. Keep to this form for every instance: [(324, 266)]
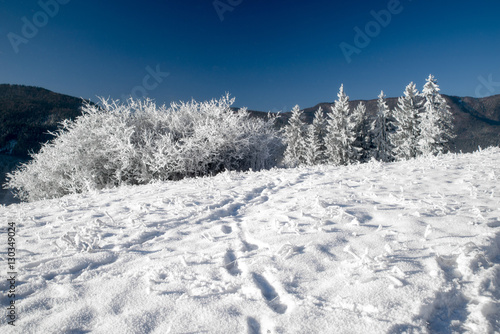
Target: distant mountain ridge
[(28, 113)]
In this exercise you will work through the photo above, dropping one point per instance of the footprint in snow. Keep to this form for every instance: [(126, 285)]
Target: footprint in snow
[(226, 229), (253, 326), (269, 293), (494, 222), (230, 263)]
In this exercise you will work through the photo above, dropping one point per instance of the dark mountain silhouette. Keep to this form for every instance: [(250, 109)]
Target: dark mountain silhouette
[(27, 114)]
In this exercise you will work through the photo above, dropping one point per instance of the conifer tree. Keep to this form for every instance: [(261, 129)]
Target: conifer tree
[(295, 133), (362, 143), (436, 123), (381, 129), (315, 147), (339, 136), (406, 116)]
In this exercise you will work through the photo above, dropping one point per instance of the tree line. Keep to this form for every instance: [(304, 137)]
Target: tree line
[(420, 124)]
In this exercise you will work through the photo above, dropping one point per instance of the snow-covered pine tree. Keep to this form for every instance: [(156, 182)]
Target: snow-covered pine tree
[(406, 116), (381, 129), (315, 144), (339, 136), (436, 123), (295, 133), (362, 143)]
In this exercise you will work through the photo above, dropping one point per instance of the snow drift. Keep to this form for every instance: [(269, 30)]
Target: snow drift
[(377, 248)]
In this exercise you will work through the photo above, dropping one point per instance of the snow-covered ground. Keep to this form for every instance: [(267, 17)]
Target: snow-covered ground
[(375, 248)]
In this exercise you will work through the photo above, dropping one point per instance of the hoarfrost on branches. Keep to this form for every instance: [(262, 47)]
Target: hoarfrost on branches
[(136, 142)]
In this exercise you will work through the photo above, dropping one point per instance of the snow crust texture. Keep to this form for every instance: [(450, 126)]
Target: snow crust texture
[(407, 247)]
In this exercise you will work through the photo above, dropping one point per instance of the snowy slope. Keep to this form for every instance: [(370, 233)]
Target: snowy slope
[(374, 248)]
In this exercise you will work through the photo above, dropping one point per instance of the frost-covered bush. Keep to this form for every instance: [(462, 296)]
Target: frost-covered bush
[(137, 141)]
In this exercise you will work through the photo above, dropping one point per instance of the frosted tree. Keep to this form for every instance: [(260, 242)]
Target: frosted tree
[(295, 134), (362, 143), (406, 116), (315, 144), (436, 123), (381, 129), (339, 131), (136, 142)]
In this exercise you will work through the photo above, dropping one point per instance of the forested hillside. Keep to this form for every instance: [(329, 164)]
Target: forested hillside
[(28, 113)]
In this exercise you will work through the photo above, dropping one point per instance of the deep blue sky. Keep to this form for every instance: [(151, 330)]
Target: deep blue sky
[(270, 55)]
